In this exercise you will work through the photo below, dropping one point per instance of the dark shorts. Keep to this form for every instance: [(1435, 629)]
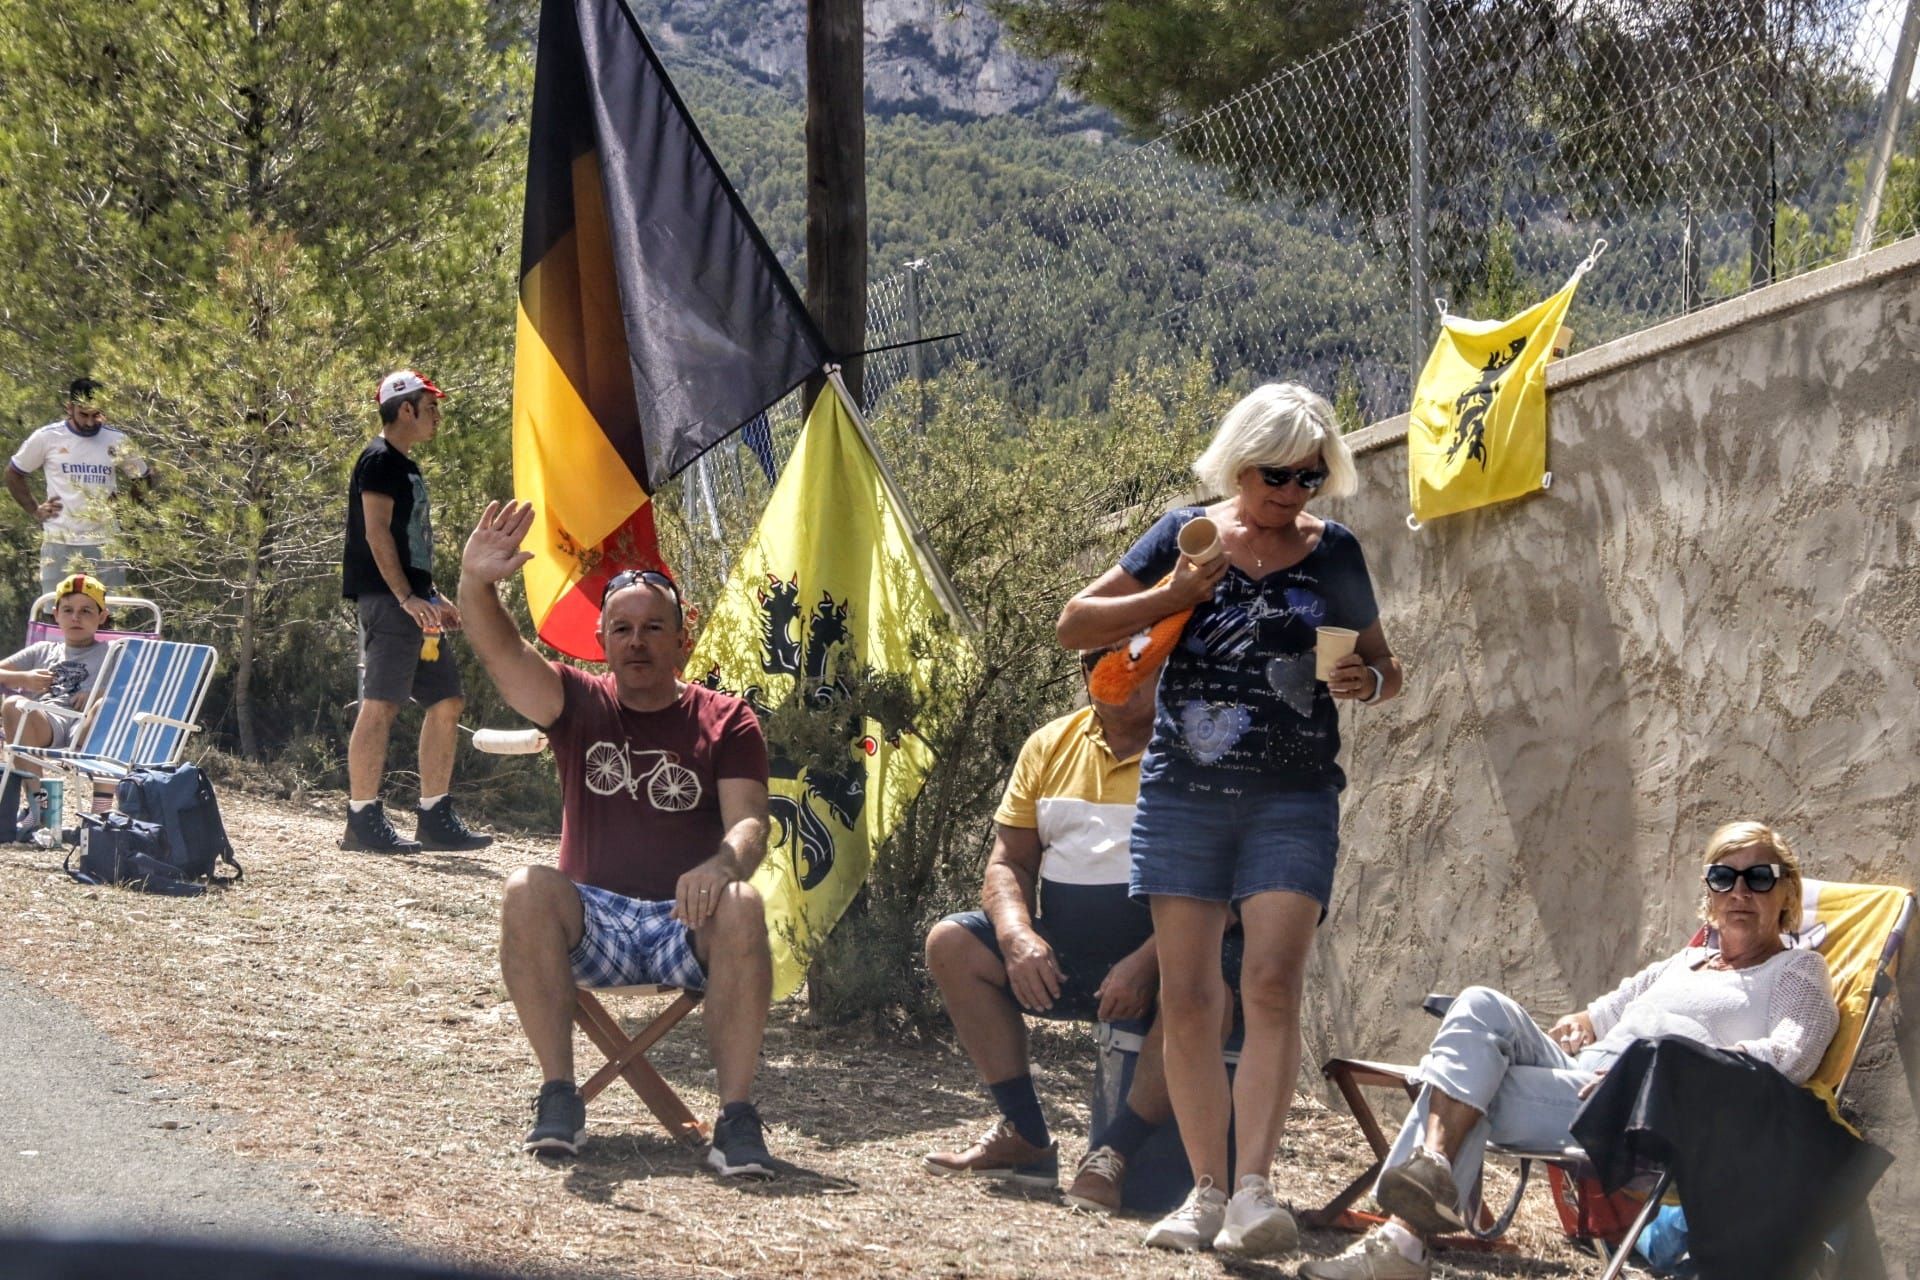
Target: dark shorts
[(1227, 845), (391, 669), (1084, 968)]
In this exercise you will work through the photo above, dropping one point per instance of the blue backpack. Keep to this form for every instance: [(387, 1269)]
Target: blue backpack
[(179, 800)]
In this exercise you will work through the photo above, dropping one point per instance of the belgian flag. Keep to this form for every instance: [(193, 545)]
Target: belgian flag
[(654, 320)]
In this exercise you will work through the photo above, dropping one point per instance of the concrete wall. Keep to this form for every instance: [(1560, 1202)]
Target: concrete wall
[(1713, 613)]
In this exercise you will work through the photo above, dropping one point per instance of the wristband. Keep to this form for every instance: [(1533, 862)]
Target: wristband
[(1379, 683)]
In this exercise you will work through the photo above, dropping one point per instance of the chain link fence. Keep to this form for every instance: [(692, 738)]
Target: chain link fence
[(1717, 145)]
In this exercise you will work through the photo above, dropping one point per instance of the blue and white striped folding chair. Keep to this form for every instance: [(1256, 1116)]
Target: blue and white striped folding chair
[(144, 707)]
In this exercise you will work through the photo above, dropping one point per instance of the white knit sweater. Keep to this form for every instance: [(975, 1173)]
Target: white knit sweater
[(1780, 1011)]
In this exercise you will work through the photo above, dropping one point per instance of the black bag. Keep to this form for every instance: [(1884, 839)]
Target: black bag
[(116, 849), (179, 799)]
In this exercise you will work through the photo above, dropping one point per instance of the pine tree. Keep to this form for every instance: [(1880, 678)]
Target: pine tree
[(238, 214)]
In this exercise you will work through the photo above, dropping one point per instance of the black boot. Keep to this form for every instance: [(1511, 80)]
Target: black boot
[(440, 828), (368, 831)]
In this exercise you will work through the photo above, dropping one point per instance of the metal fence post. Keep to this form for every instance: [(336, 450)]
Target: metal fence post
[(1897, 80), (1419, 67), (915, 368)]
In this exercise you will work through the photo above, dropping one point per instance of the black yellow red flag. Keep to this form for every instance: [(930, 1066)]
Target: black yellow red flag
[(654, 320)]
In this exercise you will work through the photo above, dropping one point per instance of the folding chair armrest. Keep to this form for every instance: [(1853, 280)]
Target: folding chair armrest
[(148, 717), (44, 755)]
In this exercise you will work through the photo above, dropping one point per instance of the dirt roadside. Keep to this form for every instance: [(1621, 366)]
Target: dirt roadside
[(333, 1033)]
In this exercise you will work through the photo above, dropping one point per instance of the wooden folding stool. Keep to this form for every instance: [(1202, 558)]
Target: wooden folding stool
[(627, 1055)]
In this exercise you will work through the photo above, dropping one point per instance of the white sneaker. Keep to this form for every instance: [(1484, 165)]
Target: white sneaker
[(1255, 1224), (1195, 1223), (1372, 1257)]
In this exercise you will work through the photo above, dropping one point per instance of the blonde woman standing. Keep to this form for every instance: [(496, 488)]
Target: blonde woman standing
[(1239, 788)]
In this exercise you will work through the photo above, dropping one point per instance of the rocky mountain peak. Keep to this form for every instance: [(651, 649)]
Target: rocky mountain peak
[(931, 57)]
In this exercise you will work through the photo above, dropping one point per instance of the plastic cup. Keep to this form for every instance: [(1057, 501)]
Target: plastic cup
[(1200, 540), (1330, 645)]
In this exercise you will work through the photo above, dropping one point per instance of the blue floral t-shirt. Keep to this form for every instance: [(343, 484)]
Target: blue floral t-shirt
[(1238, 701)]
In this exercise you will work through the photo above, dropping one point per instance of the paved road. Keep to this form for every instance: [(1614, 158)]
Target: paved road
[(89, 1144)]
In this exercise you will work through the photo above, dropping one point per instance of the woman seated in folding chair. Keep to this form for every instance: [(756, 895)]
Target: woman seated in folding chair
[(52, 680), (1491, 1074)]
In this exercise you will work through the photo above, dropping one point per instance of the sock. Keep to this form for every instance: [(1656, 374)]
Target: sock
[(734, 1108), (361, 806), (1411, 1246), (427, 802), (1439, 1156), (555, 1085), (1021, 1105), (1127, 1133)]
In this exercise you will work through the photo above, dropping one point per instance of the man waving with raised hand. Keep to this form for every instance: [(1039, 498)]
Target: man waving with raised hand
[(663, 818)]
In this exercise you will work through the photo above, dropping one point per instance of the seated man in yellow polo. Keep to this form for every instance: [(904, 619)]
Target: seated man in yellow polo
[(1058, 938)]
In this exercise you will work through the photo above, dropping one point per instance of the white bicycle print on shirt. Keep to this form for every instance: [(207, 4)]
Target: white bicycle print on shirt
[(671, 786)]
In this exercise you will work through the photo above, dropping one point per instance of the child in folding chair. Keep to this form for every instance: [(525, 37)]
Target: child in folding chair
[(52, 680)]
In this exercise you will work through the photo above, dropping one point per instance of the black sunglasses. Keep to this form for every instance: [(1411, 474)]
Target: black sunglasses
[(651, 577), (1760, 877), (1308, 478)]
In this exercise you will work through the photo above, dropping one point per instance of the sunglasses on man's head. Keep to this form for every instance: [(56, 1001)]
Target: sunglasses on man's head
[(1308, 478), (1760, 877), (632, 577)]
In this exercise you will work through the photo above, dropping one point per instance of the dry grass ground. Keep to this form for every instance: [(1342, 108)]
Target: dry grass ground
[(349, 1010)]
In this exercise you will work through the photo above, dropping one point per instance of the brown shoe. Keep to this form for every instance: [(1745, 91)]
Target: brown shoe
[(1097, 1182), (1001, 1153)]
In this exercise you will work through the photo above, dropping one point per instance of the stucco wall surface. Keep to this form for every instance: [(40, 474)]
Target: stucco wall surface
[(1713, 613)]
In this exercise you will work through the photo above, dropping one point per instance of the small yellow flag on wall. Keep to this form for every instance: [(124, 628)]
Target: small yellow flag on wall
[(1477, 432)]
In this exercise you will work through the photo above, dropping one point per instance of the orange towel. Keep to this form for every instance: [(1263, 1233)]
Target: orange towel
[(1120, 672)]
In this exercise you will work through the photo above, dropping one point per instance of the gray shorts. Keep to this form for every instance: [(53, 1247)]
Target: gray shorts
[(391, 669), (65, 720), (58, 559)]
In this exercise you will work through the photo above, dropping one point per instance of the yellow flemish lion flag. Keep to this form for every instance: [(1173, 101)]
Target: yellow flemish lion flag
[(1477, 433), (829, 582)]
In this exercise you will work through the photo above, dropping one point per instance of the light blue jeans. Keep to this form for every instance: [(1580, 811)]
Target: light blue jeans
[(1490, 1055)]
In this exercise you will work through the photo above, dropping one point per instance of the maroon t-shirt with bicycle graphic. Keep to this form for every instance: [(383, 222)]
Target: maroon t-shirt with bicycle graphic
[(640, 804)]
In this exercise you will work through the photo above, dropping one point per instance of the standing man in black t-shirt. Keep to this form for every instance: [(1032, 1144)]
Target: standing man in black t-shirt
[(388, 573)]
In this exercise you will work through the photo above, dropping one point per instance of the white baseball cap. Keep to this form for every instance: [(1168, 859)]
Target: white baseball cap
[(404, 382)]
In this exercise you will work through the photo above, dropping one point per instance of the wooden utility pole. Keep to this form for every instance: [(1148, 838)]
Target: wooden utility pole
[(837, 184)]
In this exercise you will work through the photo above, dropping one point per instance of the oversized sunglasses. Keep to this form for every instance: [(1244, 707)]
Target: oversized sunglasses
[(651, 577), (1308, 478), (1760, 877)]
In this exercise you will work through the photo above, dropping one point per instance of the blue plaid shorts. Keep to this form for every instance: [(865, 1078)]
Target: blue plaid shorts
[(629, 942)]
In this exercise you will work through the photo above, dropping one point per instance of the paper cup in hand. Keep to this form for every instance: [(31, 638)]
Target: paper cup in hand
[(1200, 540), (1330, 645)]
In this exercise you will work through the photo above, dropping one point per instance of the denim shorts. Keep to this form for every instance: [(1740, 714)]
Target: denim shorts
[(630, 942), (1227, 844)]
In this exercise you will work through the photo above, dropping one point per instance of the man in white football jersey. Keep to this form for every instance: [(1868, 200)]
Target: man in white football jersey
[(83, 458)]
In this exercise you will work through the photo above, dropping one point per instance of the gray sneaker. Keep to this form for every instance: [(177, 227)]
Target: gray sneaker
[(1256, 1224), (1421, 1192), (1372, 1257), (1195, 1223), (559, 1121)]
